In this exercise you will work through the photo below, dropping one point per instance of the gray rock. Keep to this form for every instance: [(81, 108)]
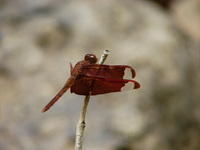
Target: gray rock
[(38, 40)]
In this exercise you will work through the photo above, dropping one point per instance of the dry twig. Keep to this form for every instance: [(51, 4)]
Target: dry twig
[(81, 123)]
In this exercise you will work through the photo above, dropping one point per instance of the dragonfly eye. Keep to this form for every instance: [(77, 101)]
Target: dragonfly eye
[(91, 58)]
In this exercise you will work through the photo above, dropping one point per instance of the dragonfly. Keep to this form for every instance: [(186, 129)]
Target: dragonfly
[(89, 78)]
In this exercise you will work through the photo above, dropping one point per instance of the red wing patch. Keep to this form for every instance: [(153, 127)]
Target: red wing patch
[(96, 85), (106, 71)]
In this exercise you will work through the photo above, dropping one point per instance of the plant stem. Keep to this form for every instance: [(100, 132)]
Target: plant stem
[(81, 123)]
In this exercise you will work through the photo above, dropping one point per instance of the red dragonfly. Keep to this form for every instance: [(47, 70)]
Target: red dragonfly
[(89, 78)]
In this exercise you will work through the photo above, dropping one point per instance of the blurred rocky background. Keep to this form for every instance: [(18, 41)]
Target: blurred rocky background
[(159, 39)]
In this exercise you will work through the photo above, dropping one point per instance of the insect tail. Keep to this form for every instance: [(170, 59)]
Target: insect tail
[(55, 99)]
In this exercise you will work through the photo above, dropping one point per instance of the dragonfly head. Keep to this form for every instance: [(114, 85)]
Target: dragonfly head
[(91, 58)]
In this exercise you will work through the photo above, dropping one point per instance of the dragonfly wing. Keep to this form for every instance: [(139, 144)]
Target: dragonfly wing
[(106, 71), (97, 85)]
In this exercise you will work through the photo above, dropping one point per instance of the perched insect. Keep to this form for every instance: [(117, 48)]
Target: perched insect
[(89, 78)]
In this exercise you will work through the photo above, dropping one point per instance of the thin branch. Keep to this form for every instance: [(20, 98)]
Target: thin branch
[(81, 123), (104, 56)]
